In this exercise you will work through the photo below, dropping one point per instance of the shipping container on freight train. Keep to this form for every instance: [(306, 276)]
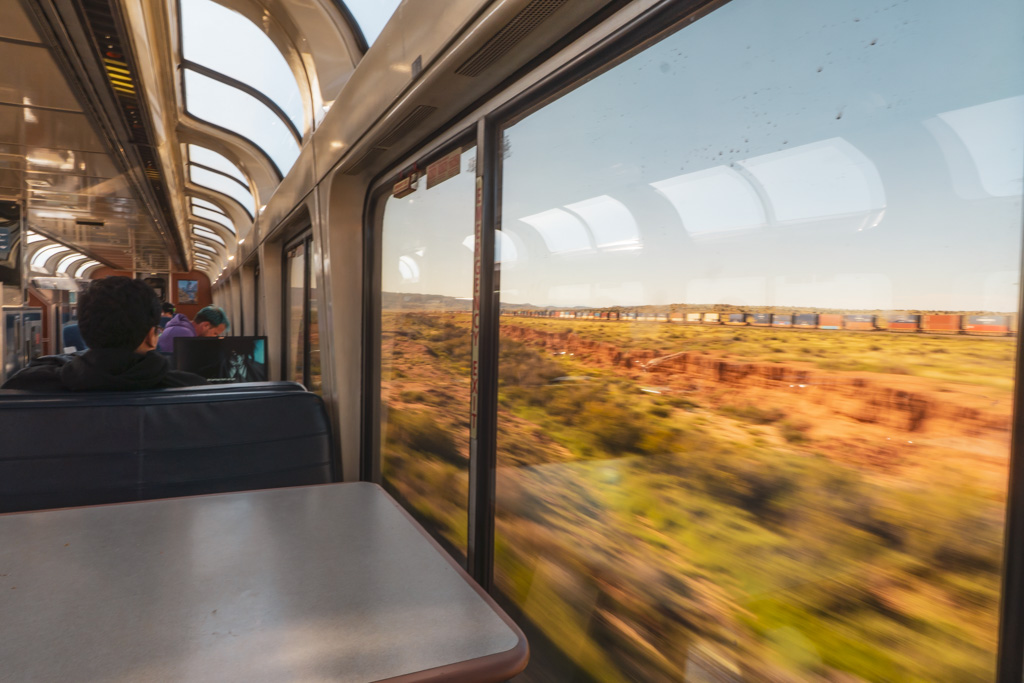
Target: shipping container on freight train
[(805, 320), (995, 325), (782, 320), (941, 324), (676, 317), (859, 322), (712, 319), (759, 319), (629, 315), (736, 319), (904, 322), (694, 318), (829, 321)]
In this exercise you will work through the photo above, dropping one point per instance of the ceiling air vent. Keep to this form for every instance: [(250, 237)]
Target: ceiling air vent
[(529, 18)]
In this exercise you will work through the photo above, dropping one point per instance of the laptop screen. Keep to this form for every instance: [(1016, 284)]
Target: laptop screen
[(231, 359)]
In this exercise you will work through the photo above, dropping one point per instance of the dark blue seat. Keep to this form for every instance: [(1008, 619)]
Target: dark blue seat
[(71, 336), (63, 450)]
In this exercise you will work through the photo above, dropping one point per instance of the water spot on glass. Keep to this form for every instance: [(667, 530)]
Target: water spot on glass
[(665, 67), (874, 41), (820, 68), (839, 115)]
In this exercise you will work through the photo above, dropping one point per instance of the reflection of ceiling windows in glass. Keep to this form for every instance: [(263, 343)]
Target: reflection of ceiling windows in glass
[(225, 41), (68, 262), (206, 233), (218, 162), (223, 184), (85, 266), (371, 15), (241, 113), (40, 258), (200, 212)]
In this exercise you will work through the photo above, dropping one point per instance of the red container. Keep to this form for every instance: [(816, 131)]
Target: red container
[(829, 321), (945, 323)]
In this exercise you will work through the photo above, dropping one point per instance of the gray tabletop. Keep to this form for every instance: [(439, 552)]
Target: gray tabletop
[(318, 583)]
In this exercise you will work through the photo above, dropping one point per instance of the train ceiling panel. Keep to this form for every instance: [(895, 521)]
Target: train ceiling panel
[(53, 158), (16, 24)]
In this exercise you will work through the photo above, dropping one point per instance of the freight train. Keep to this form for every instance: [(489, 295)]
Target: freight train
[(993, 325)]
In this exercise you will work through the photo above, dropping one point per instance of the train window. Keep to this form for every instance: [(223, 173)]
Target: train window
[(215, 216), (746, 427), (205, 162), (206, 233), (217, 162), (219, 182), (196, 201), (296, 307), (256, 300), (426, 299), (242, 113), (302, 325), (371, 16), (223, 40)]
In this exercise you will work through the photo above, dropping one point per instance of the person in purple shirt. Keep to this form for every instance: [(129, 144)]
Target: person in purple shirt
[(209, 322)]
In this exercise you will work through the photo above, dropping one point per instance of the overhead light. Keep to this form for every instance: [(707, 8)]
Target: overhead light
[(241, 241), (231, 258)]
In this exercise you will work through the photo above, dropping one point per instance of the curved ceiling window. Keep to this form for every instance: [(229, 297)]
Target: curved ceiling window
[(205, 247), (219, 182), (215, 161), (200, 212), (216, 172), (202, 203), (225, 41), (371, 15), (206, 233), (244, 113)]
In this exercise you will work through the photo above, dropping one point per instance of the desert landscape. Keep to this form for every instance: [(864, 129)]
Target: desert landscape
[(721, 503)]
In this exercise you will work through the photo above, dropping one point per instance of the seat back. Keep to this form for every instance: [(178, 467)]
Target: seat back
[(65, 450)]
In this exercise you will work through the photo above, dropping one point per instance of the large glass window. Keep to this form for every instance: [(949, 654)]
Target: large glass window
[(426, 302), (302, 361), (215, 216), (241, 113), (218, 162), (755, 368), (371, 15), (225, 41), (219, 181), (206, 233)]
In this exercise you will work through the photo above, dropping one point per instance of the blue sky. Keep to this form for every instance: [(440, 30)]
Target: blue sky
[(845, 154)]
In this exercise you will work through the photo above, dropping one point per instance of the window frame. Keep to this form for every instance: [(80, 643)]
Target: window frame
[(624, 42), (304, 239)]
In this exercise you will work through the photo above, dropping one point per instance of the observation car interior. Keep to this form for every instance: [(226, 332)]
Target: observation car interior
[(685, 331)]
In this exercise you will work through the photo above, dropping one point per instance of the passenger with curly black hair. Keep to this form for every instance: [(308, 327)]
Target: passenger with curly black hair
[(118, 319)]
